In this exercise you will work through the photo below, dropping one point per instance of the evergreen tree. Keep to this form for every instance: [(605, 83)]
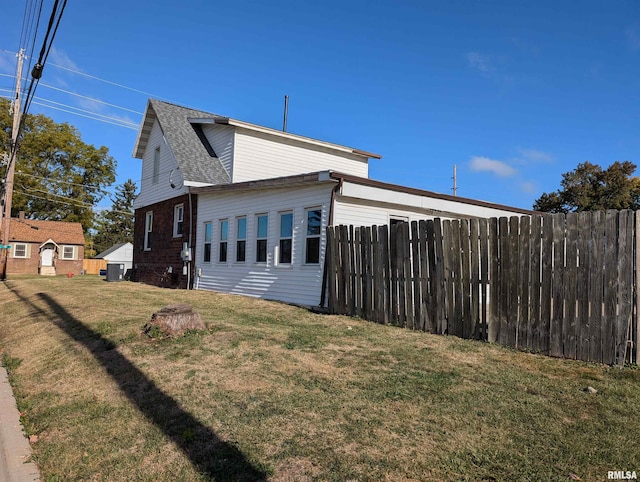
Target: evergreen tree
[(591, 188), (115, 225)]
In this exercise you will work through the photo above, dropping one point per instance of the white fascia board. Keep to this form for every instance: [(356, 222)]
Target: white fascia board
[(421, 203), (197, 184)]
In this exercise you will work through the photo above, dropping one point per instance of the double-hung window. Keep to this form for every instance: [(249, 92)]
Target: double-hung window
[(224, 232), (20, 250), (178, 220), (241, 239), (262, 230), (286, 238), (148, 228), (314, 222), (68, 252), (208, 231)]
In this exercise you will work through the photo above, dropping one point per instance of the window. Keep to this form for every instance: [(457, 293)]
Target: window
[(156, 166), (178, 220), (314, 221), (286, 237), (68, 252), (224, 229), (241, 239), (207, 242), (262, 229), (20, 250), (148, 227)]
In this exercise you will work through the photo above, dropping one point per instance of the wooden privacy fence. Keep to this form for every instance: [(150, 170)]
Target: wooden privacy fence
[(562, 285)]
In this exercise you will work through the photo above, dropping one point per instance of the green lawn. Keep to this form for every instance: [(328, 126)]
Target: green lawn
[(275, 392)]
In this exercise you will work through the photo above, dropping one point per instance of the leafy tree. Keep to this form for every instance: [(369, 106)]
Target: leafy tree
[(58, 177), (115, 225), (590, 188)]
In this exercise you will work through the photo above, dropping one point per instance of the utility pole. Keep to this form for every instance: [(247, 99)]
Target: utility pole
[(455, 181), (11, 167)]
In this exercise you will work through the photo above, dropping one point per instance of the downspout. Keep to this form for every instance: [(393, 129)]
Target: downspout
[(191, 223), (335, 189)]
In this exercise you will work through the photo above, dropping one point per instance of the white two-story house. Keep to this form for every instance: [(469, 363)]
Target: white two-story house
[(230, 206)]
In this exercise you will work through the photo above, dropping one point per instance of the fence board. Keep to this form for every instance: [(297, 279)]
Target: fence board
[(416, 276), (570, 287), (474, 252), (535, 265), (503, 279), (440, 308), (547, 278), (610, 292), (557, 305), (384, 235), (493, 327), (484, 275), (465, 279), (448, 277), (522, 302), (408, 282), (582, 293), (425, 302), (596, 287)]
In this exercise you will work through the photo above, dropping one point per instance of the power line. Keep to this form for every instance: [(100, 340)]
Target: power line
[(90, 98)]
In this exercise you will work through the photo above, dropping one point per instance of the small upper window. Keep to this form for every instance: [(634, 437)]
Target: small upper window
[(20, 250), (286, 238), (262, 229), (241, 239), (207, 242), (314, 222), (156, 166), (148, 228), (178, 220), (222, 253), (68, 252)]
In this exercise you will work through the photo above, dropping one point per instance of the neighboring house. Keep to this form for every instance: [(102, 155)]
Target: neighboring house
[(45, 247), (251, 204), (121, 253)]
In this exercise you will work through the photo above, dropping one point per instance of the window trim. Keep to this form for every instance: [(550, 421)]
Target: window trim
[(205, 242), (178, 221), (264, 238), (282, 238), (241, 240), (148, 229), (15, 250), (308, 236), (223, 240), (73, 253)]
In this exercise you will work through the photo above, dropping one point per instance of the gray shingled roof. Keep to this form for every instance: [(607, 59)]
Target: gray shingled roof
[(192, 157)]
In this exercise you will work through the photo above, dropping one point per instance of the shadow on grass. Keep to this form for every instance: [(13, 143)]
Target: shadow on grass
[(212, 457)]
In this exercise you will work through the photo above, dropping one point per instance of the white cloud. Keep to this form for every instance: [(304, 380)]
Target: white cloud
[(528, 187), (633, 39), (60, 58), (8, 63), (480, 62), (502, 169), (535, 155)]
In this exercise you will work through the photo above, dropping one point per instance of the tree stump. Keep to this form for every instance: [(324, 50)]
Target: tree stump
[(175, 320)]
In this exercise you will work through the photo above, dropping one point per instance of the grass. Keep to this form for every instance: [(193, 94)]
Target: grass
[(274, 392)]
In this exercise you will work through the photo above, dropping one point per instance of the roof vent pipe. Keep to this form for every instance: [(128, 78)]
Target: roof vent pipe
[(286, 113)]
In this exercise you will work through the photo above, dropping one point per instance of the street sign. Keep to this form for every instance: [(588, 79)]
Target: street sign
[(5, 246)]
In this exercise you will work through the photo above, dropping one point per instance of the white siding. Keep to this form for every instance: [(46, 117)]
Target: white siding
[(366, 205), (295, 283), (221, 139), (151, 192), (261, 156)]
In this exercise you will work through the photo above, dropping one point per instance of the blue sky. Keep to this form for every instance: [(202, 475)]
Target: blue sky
[(512, 93)]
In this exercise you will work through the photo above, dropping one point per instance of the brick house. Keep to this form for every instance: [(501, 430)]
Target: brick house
[(45, 247)]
